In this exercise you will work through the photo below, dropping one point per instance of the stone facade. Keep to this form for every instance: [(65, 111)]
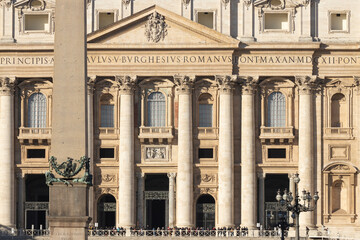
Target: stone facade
[(302, 55)]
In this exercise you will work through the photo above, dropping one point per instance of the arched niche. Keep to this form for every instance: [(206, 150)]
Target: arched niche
[(339, 179)]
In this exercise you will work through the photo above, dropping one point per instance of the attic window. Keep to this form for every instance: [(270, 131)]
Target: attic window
[(106, 18), (36, 22), (339, 22), (206, 19), (276, 21)]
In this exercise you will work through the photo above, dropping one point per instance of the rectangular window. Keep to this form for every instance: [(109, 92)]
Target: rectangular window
[(276, 153), (36, 22), (35, 153), (205, 115), (107, 153), (106, 18), (107, 115), (206, 19), (338, 22), (206, 152), (276, 21)]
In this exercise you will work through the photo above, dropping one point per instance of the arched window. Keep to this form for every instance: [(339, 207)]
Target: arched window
[(276, 110), (338, 110), (156, 107), (106, 111), (37, 111), (205, 212), (205, 110)]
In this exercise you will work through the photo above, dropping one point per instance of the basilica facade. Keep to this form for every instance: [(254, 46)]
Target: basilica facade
[(197, 111)]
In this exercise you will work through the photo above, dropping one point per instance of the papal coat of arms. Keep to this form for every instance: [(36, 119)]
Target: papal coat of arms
[(155, 28)]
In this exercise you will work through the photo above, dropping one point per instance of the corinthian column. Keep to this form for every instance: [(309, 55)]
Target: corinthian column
[(248, 171), (171, 177), (226, 152), (126, 153), (184, 201), (7, 207), (306, 145)]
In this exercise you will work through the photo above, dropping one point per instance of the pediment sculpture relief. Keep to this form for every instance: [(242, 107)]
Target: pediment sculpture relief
[(280, 4), (155, 28)]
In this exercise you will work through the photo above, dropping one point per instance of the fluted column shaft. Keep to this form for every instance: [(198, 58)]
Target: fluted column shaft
[(226, 153), (126, 153), (184, 186), (306, 148), (7, 207), (171, 177), (248, 171)]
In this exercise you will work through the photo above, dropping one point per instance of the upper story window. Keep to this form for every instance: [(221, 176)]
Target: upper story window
[(205, 110), (37, 111), (276, 21), (36, 22), (106, 17), (338, 110), (156, 108), (339, 21), (206, 18), (276, 110), (107, 111)]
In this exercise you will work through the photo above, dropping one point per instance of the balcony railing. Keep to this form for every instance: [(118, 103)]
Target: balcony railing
[(280, 133), (30, 134), (338, 133), (208, 133), (108, 133), (152, 133)]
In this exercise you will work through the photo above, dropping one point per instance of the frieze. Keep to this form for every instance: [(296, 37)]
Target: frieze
[(174, 59), (155, 153), (155, 28)]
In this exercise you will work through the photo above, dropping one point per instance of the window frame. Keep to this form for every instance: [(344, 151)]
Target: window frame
[(332, 12), (210, 100), (50, 15), (111, 102), (268, 113), (28, 112), (98, 11), (146, 108), (214, 11), (262, 18)]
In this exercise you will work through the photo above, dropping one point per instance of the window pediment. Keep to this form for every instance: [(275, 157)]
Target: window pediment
[(280, 4)]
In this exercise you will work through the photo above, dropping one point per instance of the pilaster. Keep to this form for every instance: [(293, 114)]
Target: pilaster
[(7, 207), (140, 198), (226, 152), (184, 205), (245, 20), (7, 8), (171, 177), (248, 170), (126, 151)]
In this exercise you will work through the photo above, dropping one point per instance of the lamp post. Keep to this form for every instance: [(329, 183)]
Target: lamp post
[(296, 208)]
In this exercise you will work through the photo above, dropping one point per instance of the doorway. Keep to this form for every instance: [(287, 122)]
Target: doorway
[(106, 211), (205, 212), (156, 201)]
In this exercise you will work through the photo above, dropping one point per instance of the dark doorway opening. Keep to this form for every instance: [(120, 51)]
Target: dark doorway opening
[(274, 215), (205, 212), (36, 201), (107, 211), (155, 212), (156, 200)]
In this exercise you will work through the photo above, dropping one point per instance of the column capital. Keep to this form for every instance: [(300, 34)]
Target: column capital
[(140, 175), (225, 83), (6, 3), (184, 84), (7, 85), (126, 84), (261, 175), (90, 83), (306, 84), (357, 84), (172, 175), (249, 84)]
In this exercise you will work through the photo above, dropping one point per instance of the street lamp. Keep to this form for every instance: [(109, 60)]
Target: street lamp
[(296, 208)]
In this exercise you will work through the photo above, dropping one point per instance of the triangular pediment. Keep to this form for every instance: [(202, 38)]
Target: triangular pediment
[(156, 27)]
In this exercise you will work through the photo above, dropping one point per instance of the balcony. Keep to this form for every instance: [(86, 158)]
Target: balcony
[(155, 134), (108, 133), (338, 133), (207, 133), (280, 134), (31, 135)]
